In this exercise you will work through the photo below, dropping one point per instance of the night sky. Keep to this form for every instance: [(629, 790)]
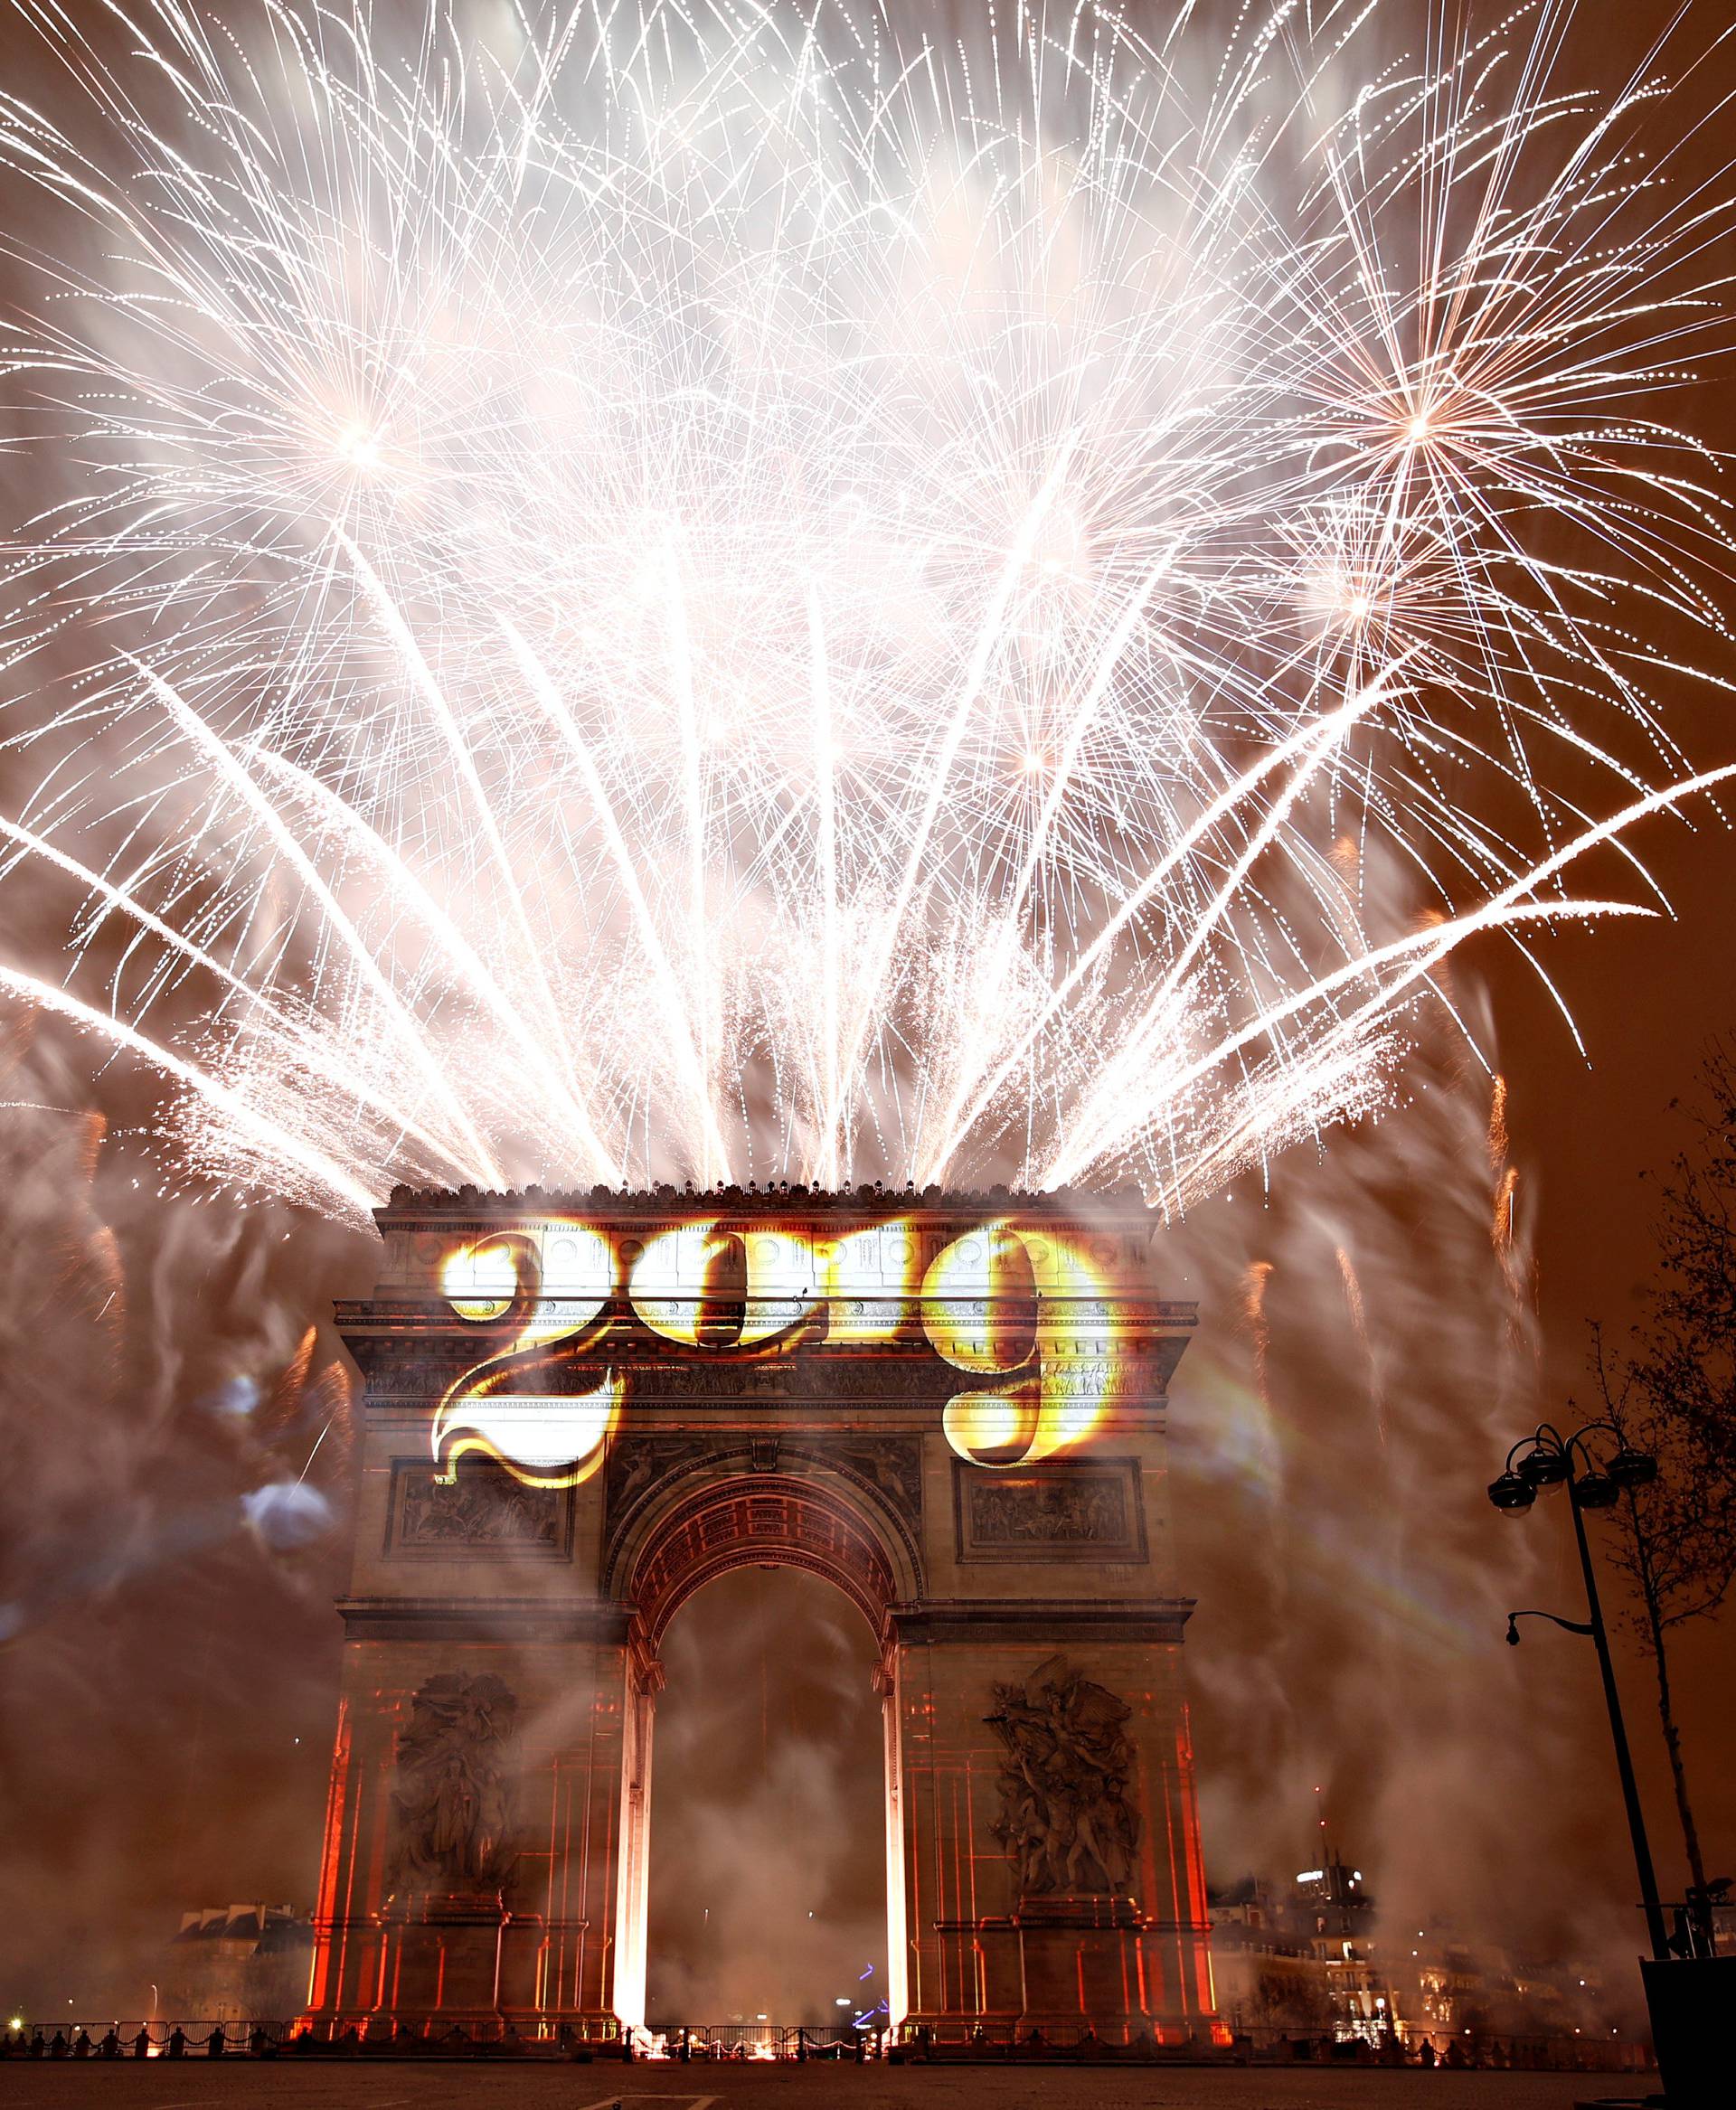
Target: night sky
[(166, 1706)]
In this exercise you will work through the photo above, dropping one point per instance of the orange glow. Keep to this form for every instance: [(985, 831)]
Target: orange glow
[(1498, 1125), (322, 1975)]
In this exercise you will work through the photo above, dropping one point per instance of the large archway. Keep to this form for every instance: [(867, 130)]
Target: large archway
[(696, 1528), (732, 1520), (766, 1886)]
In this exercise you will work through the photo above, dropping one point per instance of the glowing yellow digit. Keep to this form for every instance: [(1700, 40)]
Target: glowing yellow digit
[(709, 1287), (545, 1440), (998, 1300), (781, 1287), (867, 1278), (480, 1282)]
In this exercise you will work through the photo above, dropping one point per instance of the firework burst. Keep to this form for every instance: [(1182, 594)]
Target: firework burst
[(642, 594)]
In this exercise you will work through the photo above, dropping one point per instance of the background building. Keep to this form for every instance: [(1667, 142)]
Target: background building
[(1303, 1958), (239, 1963)]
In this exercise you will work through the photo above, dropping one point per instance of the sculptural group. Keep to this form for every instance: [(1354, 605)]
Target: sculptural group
[(1066, 1822)]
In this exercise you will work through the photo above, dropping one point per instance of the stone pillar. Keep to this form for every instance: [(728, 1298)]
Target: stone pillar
[(898, 1886), (632, 1907), (1054, 1948), (527, 1937)]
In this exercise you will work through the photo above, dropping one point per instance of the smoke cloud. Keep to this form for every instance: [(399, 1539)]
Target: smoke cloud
[(768, 1811), (176, 1434), (1367, 1355)]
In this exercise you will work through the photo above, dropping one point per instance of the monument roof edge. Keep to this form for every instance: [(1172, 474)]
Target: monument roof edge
[(1107, 1210)]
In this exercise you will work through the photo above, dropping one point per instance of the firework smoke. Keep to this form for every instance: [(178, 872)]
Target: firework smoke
[(1351, 1688), (174, 1434), (762, 1899), (785, 600)]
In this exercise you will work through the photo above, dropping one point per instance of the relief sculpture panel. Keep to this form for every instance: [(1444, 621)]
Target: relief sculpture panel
[(452, 1786), (891, 1465), (1075, 1511), (480, 1513), (1066, 1824)]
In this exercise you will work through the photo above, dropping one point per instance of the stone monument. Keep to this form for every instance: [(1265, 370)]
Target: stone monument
[(579, 1409)]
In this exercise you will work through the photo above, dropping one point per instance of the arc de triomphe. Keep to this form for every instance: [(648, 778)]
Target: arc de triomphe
[(579, 1409)]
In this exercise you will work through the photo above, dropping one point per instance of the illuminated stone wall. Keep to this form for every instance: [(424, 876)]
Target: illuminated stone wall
[(579, 1412)]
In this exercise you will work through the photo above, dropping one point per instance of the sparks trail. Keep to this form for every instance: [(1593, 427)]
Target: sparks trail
[(772, 602)]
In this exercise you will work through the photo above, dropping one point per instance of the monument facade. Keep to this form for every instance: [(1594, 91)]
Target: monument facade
[(579, 1411)]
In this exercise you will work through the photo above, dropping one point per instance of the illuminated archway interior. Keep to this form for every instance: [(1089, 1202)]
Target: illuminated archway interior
[(804, 1586), (767, 1863)]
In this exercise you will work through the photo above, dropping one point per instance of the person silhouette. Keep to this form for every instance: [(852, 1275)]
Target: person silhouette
[(177, 2042)]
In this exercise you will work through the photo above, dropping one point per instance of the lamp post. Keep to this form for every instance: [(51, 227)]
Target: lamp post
[(1545, 1459), (1687, 1998)]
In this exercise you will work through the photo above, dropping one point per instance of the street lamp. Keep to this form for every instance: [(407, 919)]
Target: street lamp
[(1687, 1997), (1546, 1459)]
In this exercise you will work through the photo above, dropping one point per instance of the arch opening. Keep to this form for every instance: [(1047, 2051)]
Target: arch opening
[(766, 1862), (759, 1542)]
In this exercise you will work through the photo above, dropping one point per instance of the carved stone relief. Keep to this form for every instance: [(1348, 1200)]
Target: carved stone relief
[(1068, 1511), (635, 1463), (1066, 1824), (637, 1466), (482, 1512), (452, 1785), (892, 1464)]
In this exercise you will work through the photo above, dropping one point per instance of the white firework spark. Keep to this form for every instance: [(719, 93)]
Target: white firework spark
[(734, 593)]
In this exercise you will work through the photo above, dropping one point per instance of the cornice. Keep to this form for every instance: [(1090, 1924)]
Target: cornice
[(1120, 1208), (1048, 1623), (485, 1619), (1051, 1623)]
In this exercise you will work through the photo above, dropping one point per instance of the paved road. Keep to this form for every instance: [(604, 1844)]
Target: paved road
[(240, 2085)]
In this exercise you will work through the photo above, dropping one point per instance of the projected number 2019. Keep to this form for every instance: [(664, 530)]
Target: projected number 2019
[(1023, 1314)]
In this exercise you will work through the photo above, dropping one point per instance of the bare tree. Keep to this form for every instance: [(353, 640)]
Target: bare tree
[(1673, 1548), (1673, 1394)]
